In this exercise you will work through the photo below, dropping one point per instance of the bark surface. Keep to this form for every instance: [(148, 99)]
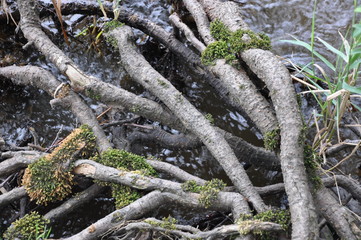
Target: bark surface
[(140, 70), (180, 127)]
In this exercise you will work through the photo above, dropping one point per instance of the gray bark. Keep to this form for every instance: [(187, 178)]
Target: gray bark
[(115, 96), (349, 184), (228, 81), (201, 19), (17, 160), (276, 76), (135, 210), (176, 21), (40, 78), (244, 151), (278, 81), (11, 196), (141, 71), (244, 93), (225, 200), (73, 203), (342, 220), (221, 232)]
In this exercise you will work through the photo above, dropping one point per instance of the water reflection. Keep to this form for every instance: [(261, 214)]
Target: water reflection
[(280, 19)]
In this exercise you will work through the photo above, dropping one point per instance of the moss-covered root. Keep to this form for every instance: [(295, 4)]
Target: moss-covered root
[(49, 179), (281, 217), (208, 192), (229, 44), (124, 160), (31, 226)]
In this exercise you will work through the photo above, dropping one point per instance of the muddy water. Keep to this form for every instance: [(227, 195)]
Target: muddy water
[(21, 108)]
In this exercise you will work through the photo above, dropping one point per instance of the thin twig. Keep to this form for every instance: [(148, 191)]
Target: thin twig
[(107, 110), (57, 136), (346, 158)]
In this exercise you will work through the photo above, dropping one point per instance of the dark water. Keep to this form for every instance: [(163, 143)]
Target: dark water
[(24, 107), (283, 19)]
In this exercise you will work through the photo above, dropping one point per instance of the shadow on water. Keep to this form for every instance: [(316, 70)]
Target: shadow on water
[(24, 107)]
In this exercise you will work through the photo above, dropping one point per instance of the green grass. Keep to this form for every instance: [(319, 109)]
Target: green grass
[(333, 91)]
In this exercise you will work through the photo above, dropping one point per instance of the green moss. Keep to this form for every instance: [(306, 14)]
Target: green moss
[(124, 195), (168, 223), (281, 217), (244, 227), (219, 31), (229, 44), (210, 118), (117, 217), (50, 178), (31, 226), (272, 139), (135, 109), (112, 41), (127, 161), (244, 217), (208, 192), (216, 50), (191, 186), (242, 40), (162, 83), (45, 181), (111, 25), (80, 140), (92, 94), (312, 160)]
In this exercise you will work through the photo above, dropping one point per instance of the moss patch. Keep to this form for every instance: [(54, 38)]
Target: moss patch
[(210, 118), (191, 186), (111, 25), (31, 226), (92, 94), (208, 192), (229, 44), (124, 160), (49, 179), (272, 139), (281, 217), (168, 223), (124, 195), (312, 160)]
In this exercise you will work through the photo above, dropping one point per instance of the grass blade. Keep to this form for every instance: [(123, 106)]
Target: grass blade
[(350, 88), (334, 50), (308, 47), (57, 6)]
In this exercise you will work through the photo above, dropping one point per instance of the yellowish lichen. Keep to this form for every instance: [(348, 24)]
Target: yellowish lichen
[(50, 178), (31, 226)]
